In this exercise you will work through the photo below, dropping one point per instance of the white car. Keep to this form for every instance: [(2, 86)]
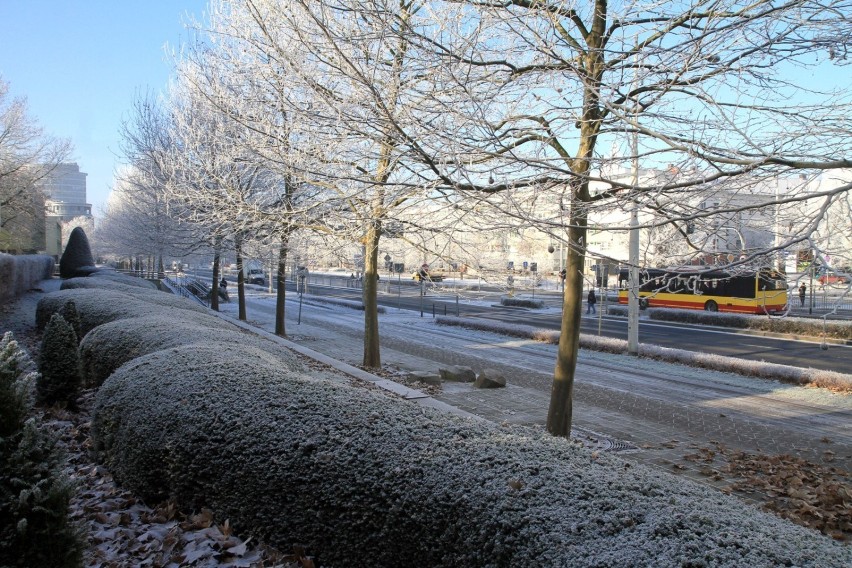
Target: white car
[(255, 276)]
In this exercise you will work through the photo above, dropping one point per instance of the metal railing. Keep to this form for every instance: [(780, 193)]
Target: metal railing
[(188, 288)]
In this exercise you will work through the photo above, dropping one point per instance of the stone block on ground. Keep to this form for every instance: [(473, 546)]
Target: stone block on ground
[(490, 379), (426, 377), (457, 373)]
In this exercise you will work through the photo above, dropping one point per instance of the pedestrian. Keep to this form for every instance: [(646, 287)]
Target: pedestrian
[(802, 291), (592, 300), (223, 286)]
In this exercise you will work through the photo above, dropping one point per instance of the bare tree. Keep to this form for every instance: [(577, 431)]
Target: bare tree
[(338, 74), (540, 88), (27, 156), (141, 194)]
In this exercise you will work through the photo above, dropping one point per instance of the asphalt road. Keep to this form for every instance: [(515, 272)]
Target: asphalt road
[(727, 342), (405, 294)]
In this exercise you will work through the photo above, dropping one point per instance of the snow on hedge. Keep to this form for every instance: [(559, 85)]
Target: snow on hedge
[(107, 283), (100, 305), (365, 479), (774, 371), (106, 347), (112, 275), (19, 273)]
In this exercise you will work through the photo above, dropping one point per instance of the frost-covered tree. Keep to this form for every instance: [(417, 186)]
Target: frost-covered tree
[(552, 98), (139, 220), (27, 156), (342, 75)]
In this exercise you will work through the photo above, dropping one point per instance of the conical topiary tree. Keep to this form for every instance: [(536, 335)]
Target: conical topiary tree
[(59, 364), (77, 258)]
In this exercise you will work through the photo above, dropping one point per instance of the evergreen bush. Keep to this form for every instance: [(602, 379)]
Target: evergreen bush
[(15, 385), (35, 526), (59, 364), (72, 316)]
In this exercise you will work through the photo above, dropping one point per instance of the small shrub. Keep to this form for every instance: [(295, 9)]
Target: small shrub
[(35, 527), (16, 378), (69, 313), (59, 364)]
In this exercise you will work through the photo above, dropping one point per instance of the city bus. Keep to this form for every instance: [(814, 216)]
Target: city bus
[(754, 292)]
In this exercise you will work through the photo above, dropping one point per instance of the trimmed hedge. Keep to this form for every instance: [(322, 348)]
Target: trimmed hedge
[(365, 479), (124, 284), (520, 303), (98, 306), (106, 274), (108, 346), (19, 273)]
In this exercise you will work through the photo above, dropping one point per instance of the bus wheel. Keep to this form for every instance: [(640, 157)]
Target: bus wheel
[(643, 303), (711, 306)]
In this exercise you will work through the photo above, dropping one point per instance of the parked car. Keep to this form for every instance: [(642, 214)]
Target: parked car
[(834, 278), (255, 276)]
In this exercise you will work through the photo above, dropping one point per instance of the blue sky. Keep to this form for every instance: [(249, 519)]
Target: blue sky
[(80, 63)]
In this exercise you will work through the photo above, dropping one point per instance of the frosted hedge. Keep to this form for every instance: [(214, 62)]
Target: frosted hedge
[(19, 273), (100, 305), (108, 346), (365, 479), (122, 284)]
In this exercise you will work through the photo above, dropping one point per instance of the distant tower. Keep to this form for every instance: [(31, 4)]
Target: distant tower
[(65, 199)]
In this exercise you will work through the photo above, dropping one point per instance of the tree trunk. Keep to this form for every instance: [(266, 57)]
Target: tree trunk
[(560, 413), (214, 289), (281, 296), (372, 357), (241, 290)]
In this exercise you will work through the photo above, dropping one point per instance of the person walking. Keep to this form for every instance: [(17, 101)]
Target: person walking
[(591, 301), (223, 289), (802, 291)]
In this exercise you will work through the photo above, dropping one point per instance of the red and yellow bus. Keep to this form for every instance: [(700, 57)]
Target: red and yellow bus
[(755, 292)]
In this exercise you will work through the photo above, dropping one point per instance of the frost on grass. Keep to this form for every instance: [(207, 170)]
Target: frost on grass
[(363, 478), (813, 327), (99, 306), (108, 346), (784, 373)]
